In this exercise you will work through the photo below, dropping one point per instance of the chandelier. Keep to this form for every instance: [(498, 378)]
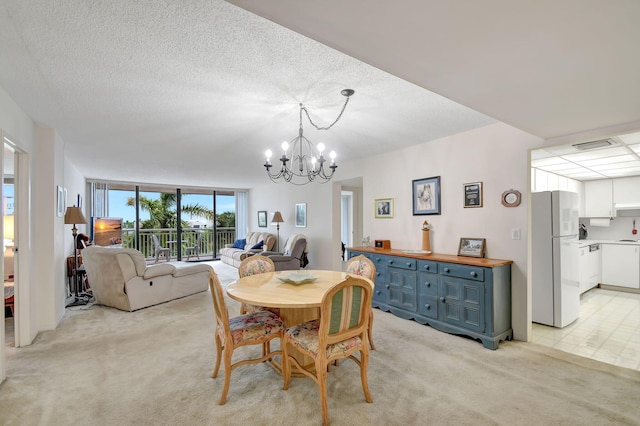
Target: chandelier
[(301, 161)]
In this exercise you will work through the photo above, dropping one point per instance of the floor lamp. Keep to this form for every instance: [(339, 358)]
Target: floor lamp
[(74, 216), (277, 219)]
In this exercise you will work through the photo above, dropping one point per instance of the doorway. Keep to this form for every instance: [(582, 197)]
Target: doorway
[(346, 220), (8, 246)]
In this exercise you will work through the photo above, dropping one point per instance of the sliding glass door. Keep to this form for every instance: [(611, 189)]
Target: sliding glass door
[(193, 223)]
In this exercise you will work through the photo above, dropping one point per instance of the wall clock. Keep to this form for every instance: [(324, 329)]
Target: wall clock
[(511, 198)]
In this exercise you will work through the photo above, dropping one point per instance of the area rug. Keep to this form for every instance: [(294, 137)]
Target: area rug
[(102, 366)]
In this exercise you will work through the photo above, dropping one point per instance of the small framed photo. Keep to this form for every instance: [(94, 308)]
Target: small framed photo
[(383, 208), (426, 196), (472, 247), (473, 194), (262, 218), (301, 215)]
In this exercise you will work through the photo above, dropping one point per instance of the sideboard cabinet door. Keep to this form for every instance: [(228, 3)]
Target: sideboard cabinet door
[(462, 303)]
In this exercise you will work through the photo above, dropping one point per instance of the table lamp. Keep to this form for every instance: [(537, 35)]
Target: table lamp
[(74, 216), (277, 219)]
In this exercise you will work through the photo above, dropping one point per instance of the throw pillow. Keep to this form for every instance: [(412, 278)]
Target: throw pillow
[(239, 244), (258, 246)]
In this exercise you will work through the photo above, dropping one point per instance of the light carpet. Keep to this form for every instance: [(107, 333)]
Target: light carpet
[(102, 366)]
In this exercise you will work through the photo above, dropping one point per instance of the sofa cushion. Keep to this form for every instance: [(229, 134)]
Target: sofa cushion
[(258, 245), (239, 244), (160, 269), (185, 268)]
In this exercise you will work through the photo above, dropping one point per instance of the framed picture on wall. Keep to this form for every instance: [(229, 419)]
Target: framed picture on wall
[(262, 218), (301, 215), (473, 194), (426, 196), (383, 208)]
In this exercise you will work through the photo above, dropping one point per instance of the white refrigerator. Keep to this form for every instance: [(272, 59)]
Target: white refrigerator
[(555, 257)]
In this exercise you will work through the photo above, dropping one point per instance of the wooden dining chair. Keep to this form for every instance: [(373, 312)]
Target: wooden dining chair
[(364, 267), (252, 265), (339, 333), (258, 328)]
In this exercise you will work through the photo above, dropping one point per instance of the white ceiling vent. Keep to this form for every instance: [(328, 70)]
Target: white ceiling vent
[(594, 144)]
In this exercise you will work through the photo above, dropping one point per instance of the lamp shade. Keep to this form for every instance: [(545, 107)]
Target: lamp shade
[(8, 227), (73, 216), (277, 218)]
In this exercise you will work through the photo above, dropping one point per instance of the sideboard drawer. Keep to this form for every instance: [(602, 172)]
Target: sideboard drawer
[(462, 271), (428, 284), (378, 259), (402, 262), (428, 266)]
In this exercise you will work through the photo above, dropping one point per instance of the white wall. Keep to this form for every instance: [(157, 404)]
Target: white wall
[(284, 197), (495, 155), (49, 277), (20, 129), (41, 241)]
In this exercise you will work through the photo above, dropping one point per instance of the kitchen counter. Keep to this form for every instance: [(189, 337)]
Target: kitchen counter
[(583, 243)]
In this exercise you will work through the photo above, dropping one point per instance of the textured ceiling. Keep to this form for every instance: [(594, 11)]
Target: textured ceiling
[(551, 68), (194, 93)]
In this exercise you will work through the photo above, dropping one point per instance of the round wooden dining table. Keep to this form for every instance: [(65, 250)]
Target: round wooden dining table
[(298, 303)]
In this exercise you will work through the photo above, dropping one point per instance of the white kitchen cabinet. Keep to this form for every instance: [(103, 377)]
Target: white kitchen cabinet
[(589, 269), (626, 190), (598, 198), (621, 265)]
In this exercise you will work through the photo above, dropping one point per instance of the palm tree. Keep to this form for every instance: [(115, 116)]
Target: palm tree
[(162, 212)]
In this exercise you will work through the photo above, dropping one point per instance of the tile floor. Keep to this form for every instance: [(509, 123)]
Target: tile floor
[(607, 330)]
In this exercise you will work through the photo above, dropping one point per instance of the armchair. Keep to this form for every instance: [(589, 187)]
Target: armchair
[(291, 258)]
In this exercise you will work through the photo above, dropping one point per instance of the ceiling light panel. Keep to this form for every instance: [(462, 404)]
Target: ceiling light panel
[(596, 153), (627, 171), (566, 168), (546, 162), (586, 175), (616, 166), (631, 138), (562, 150), (540, 153), (609, 160)]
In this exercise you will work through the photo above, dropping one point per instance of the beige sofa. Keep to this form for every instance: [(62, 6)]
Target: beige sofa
[(120, 277), (234, 256)]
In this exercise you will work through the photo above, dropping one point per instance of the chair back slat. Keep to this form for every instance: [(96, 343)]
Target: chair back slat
[(346, 306), (345, 311)]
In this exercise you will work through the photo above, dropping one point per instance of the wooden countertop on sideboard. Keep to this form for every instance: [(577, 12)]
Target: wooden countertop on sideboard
[(463, 260)]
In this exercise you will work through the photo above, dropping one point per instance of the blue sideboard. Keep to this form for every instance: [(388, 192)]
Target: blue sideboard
[(454, 294)]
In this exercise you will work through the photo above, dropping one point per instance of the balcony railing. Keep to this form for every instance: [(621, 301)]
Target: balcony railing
[(222, 236)]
